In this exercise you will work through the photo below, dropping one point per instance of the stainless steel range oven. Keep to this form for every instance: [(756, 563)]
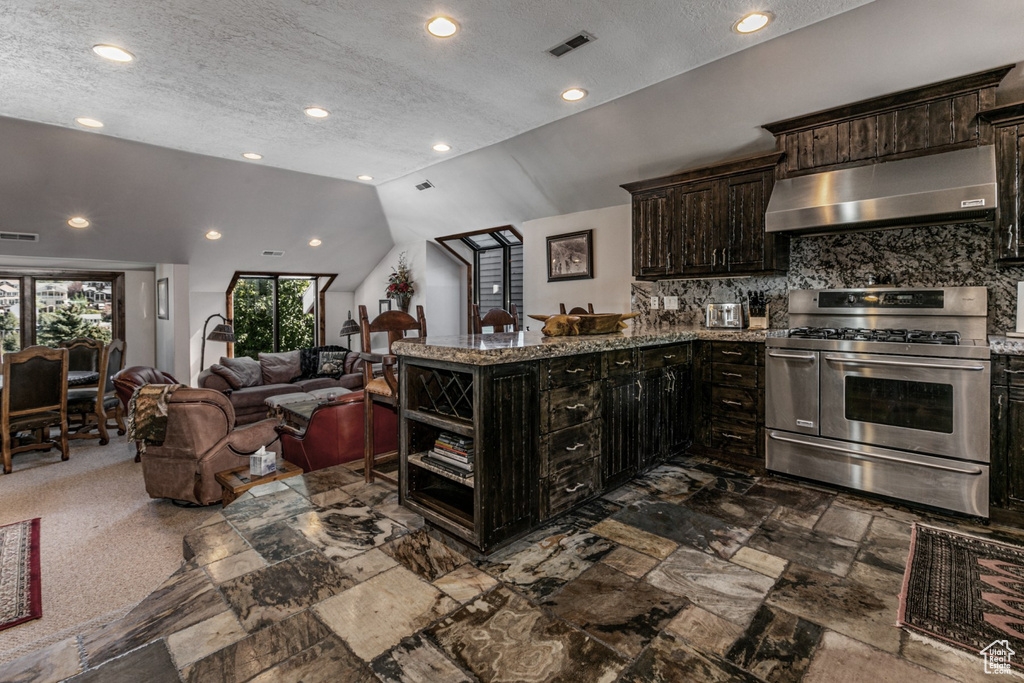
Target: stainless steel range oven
[(886, 391)]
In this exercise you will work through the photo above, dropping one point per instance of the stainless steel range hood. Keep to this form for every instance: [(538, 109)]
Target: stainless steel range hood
[(952, 187)]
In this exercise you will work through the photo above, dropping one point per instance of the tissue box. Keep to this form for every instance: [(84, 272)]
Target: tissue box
[(262, 464)]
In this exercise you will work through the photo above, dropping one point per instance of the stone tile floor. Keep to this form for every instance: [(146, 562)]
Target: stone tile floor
[(692, 572)]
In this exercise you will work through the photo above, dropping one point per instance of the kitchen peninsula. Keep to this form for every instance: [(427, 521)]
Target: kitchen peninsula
[(552, 421)]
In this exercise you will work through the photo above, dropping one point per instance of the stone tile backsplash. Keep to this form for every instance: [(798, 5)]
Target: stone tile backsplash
[(946, 256)]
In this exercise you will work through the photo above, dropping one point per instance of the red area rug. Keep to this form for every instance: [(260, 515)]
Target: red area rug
[(965, 590), (20, 591)]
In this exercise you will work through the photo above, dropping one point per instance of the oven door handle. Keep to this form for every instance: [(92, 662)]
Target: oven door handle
[(905, 364), (794, 356), (875, 456)]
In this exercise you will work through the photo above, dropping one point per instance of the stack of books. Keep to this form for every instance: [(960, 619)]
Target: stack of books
[(454, 453)]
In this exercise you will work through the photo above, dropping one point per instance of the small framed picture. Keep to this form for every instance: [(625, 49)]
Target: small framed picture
[(163, 307), (384, 305), (571, 256)]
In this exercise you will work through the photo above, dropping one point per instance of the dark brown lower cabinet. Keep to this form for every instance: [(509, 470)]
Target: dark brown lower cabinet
[(1006, 486), (729, 391)]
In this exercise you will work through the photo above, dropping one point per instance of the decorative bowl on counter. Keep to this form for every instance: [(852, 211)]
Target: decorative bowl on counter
[(583, 323)]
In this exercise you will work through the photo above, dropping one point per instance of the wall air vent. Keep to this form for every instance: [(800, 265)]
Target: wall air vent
[(577, 41), (19, 236), (425, 185), (271, 252)]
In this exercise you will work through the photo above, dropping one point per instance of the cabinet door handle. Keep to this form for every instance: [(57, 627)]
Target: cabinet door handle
[(714, 257), (732, 353), (623, 362), (669, 356), (577, 487), (576, 407), (574, 371), (575, 448), (1014, 372), (732, 436), (639, 390), (731, 374), (732, 403)]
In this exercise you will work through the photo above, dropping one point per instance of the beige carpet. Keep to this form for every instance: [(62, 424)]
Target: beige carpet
[(105, 543)]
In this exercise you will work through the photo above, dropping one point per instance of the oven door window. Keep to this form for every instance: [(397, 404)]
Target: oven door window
[(926, 406)]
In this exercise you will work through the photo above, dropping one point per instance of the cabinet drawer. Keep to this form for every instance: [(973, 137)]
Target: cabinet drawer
[(618, 363), (568, 406), (742, 353), (572, 485), (664, 356), (563, 372), (734, 401), (569, 447), (1008, 371), (735, 437), (734, 375)]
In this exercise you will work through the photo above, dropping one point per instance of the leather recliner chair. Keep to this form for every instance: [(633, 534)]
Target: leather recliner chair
[(128, 380), (201, 440), (335, 434)]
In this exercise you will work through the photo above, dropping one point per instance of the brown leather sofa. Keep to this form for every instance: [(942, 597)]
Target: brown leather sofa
[(248, 402), (201, 440), (335, 434)]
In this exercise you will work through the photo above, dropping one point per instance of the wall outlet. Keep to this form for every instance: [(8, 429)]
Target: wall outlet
[(654, 303), (671, 303)]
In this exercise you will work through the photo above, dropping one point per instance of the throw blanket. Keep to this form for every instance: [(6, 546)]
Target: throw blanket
[(147, 414)]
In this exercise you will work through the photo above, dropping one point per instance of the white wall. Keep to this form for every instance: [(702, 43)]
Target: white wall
[(337, 306), (200, 306), (371, 290), (140, 317), (609, 290), (172, 335), (446, 293)]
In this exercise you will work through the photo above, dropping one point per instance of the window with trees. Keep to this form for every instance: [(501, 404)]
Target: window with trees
[(273, 312), (47, 307)]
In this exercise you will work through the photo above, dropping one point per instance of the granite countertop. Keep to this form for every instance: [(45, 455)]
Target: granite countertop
[(513, 347), (1008, 346)]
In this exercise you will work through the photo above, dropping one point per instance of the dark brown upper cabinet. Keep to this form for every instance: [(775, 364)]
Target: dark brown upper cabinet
[(940, 117), (1008, 127), (707, 222)]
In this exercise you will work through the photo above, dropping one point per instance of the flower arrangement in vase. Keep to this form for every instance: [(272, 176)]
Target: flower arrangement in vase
[(400, 284)]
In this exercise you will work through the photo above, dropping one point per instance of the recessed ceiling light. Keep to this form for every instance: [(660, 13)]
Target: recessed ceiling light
[(88, 123), (442, 147), (113, 53), (317, 112), (78, 222), (755, 21), (364, 177), (442, 27), (252, 155), (213, 235), (315, 242), (574, 94)]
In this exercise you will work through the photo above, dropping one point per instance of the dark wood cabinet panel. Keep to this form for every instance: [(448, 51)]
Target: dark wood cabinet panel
[(655, 239), (715, 222), (729, 401), (567, 406), (1007, 445), (1008, 124), (622, 443), (934, 118)]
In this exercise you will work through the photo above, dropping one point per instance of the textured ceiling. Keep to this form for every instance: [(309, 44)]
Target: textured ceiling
[(228, 76)]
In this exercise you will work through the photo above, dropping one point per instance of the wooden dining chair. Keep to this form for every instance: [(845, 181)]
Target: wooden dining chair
[(576, 310), (83, 354), (96, 405), (498, 319), (34, 398), (383, 388)]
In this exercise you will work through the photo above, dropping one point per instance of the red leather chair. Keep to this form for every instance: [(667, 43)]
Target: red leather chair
[(130, 379), (335, 434)]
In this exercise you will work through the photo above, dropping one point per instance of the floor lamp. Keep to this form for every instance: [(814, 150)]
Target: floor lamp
[(348, 328), (223, 332)]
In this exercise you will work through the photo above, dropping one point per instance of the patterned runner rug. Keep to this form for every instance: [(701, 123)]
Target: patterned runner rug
[(965, 590), (20, 590)]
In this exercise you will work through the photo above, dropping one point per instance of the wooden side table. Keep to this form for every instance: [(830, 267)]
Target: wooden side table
[(237, 481)]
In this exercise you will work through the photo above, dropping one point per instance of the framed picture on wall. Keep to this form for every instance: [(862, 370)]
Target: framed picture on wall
[(163, 308), (571, 256), (383, 305)]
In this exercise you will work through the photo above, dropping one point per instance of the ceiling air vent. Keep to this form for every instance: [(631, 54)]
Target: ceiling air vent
[(425, 185), (574, 43), (19, 236), (271, 252)]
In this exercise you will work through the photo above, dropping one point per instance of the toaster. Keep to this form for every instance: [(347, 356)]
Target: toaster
[(725, 315)]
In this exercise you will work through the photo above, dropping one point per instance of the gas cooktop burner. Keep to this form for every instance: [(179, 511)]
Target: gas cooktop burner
[(951, 337)]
